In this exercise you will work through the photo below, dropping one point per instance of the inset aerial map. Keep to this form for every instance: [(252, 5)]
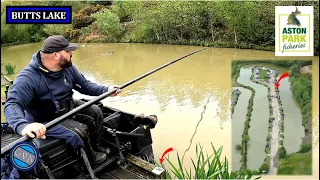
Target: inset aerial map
[(272, 117)]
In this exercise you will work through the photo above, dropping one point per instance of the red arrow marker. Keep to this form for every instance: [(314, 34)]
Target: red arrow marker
[(168, 150), (281, 77)]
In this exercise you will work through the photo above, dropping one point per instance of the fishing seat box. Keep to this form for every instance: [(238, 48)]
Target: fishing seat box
[(56, 153), (140, 146)]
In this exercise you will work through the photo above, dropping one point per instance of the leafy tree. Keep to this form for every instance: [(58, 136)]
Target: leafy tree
[(237, 16), (126, 9), (109, 24), (295, 69), (51, 29), (83, 17)]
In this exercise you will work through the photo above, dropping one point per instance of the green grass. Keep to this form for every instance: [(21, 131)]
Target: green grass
[(10, 69), (296, 164), (205, 167), (263, 73)]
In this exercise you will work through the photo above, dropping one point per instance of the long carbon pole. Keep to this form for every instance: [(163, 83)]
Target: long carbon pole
[(58, 120)]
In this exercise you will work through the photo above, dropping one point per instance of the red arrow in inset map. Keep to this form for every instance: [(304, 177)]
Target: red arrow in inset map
[(168, 150), (281, 77)]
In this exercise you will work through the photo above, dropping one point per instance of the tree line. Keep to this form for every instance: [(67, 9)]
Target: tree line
[(243, 24)]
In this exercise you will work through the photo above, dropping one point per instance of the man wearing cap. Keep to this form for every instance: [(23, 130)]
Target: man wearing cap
[(43, 91)]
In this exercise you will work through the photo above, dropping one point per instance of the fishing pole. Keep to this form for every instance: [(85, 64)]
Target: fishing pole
[(58, 120)]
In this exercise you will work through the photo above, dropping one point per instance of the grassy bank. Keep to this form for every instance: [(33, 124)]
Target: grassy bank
[(245, 135), (296, 164)]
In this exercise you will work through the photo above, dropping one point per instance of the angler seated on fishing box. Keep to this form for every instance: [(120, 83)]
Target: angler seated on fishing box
[(43, 91)]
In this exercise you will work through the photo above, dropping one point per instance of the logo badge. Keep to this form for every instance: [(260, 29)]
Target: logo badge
[(294, 31), (24, 156)]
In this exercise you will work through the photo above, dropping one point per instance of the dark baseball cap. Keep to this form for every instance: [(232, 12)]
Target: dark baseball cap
[(57, 43)]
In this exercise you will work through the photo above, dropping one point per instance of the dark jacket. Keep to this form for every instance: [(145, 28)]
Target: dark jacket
[(36, 93)]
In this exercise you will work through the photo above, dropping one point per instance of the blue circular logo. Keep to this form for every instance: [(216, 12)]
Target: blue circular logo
[(24, 156)]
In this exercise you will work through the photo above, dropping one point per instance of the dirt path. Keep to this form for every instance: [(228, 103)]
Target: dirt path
[(274, 162)]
